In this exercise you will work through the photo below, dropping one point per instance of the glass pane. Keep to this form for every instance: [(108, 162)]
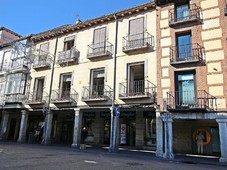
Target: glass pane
[(182, 12), (184, 46)]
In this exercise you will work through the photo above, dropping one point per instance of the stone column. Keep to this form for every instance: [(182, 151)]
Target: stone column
[(5, 119), (23, 126), (159, 134), (222, 124), (48, 127), (77, 128), (167, 119)]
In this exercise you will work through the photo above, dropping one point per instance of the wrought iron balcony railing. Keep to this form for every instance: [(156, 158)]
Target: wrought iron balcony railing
[(42, 61), (36, 97), (68, 56), (191, 15), (14, 98), (138, 42), (137, 89), (187, 53), (64, 96), (99, 49), (196, 100), (97, 92)]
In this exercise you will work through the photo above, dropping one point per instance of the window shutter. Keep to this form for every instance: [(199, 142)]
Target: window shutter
[(99, 35), (44, 48)]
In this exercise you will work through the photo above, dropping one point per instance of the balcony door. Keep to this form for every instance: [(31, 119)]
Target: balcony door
[(99, 40), (182, 12), (44, 48), (98, 77), (185, 93), (184, 48), (136, 79), (39, 85), (65, 86), (136, 32)]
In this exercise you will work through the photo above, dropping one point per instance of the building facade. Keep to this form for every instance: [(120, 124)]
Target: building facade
[(148, 77)]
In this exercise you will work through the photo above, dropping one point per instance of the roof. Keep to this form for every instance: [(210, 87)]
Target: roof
[(10, 31), (82, 25)]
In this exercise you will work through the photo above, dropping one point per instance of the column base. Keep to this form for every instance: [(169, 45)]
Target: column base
[(75, 145), (168, 156), (159, 154), (223, 160)]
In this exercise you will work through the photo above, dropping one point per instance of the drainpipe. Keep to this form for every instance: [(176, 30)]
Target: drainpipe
[(47, 109), (114, 119)]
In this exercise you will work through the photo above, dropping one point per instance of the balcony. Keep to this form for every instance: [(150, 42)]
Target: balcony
[(189, 16), (191, 53), (14, 98), (64, 96), (102, 49), (68, 56), (190, 100), (19, 64), (138, 42), (42, 61), (137, 89), (97, 93), (35, 98)]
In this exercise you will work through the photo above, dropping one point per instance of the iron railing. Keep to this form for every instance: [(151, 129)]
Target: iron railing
[(140, 88), (137, 41), (191, 100), (66, 95), (187, 53), (192, 14), (99, 49), (36, 97), (97, 92), (67, 56), (14, 98), (43, 60)]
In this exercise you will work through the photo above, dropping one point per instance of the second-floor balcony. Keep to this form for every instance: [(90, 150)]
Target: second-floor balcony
[(19, 64), (68, 56), (189, 14), (137, 89), (36, 97), (142, 41), (101, 49), (97, 93), (64, 96), (191, 100), (42, 61), (190, 53)]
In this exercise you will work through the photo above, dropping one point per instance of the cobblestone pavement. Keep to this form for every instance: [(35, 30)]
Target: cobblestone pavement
[(34, 156)]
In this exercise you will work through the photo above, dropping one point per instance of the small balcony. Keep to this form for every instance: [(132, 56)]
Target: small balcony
[(36, 98), (138, 42), (97, 93), (64, 96), (137, 89), (68, 56), (189, 16), (191, 100), (191, 53), (42, 61), (19, 64), (14, 98), (102, 49)]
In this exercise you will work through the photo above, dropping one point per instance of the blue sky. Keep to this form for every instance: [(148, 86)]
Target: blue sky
[(30, 17)]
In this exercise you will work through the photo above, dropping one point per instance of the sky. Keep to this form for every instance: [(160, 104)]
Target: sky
[(31, 17)]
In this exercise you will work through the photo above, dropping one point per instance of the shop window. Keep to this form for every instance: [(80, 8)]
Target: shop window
[(151, 132)]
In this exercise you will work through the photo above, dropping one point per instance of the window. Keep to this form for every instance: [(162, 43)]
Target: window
[(136, 79), (16, 83), (18, 54), (182, 12), (38, 88), (97, 79), (185, 89), (44, 48), (151, 132), (5, 60), (99, 40), (184, 47), (136, 27), (65, 86), (68, 43)]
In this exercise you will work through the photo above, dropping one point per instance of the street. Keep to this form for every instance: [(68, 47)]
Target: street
[(34, 156)]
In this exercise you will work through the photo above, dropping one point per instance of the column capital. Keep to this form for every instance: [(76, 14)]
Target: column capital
[(167, 117), (77, 109), (220, 120)]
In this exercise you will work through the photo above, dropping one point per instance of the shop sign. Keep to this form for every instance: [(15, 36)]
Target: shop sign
[(123, 134), (104, 114), (128, 114), (89, 115), (149, 114)]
